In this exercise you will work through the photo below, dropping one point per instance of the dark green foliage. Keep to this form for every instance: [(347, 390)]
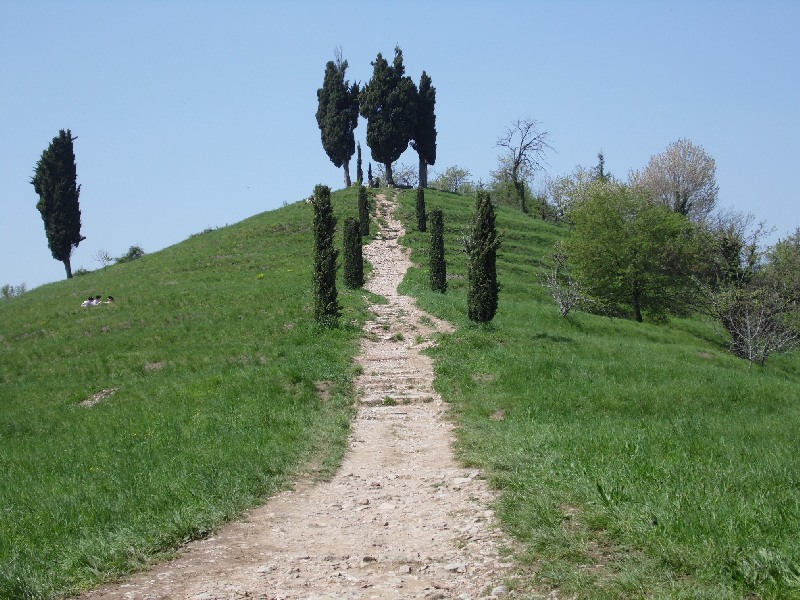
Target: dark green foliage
[(389, 103), (630, 252), (425, 132), (337, 115), (133, 253), (481, 246), (363, 211), (353, 256), (326, 305), (55, 180), (438, 265), (422, 218), (359, 169)]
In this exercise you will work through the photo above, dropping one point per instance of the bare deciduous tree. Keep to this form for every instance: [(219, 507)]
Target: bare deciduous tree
[(566, 290), (682, 177), (524, 149)]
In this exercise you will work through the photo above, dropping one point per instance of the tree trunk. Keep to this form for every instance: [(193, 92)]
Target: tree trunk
[(346, 166), (637, 307), (68, 267), (423, 173), (389, 176)]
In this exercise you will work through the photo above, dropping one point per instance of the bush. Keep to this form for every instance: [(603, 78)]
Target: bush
[(481, 246), (438, 266), (353, 256), (326, 299), (363, 211), (421, 216), (133, 253)]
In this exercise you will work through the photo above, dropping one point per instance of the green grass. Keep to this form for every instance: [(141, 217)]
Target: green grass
[(216, 363), (633, 460)]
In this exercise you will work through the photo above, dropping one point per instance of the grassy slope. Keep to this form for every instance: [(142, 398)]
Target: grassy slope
[(635, 460), (215, 362)]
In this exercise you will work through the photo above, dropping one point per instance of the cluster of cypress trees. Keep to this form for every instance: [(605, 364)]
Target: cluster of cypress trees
[(397, 112)]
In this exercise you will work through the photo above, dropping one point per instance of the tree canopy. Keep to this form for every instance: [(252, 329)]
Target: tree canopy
[(628, 251), (683, 177), (55, 181), (424, 141), (337, 115), (389, 103)]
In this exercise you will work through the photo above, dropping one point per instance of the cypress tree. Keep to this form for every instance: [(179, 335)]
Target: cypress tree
[(389, 103), (438, 266), (369, 173), (359, 170), (363, 211), (55, 181), (337, 115), (353, 256), (326, 304), (422, 218), (482, 244), (425, 131)]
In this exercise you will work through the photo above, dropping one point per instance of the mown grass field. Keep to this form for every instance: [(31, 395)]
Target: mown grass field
[(216, 368), (634, 460)]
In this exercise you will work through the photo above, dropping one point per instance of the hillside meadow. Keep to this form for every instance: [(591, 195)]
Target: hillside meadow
[(632, 460), (635, 460), (215, 389)]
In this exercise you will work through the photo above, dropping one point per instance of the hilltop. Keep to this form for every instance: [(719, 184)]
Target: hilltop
[(631, 458)]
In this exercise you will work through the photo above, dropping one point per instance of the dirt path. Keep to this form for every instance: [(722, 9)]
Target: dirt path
[(400, 519)]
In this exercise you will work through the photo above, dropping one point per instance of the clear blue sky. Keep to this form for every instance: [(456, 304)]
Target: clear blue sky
[(197, 114)]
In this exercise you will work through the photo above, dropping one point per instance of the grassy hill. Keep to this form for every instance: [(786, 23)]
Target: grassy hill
[(634, 459)]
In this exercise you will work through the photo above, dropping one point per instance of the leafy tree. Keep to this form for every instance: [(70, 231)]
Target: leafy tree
[(424, 140), (524, 149), (683, 177), (363, 210), (353, 255), (455, 180), (422, 218), (628, 251), (389, 103), (337, 115), (359, 170), (438, 265), (55, 181), (481, 246), (326, 300)]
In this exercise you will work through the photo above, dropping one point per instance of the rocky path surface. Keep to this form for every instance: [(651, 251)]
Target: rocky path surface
[(400, 519)]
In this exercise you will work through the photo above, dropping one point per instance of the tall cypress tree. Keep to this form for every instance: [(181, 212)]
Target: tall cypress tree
[(353, 255), (389, 103), (438, 266), (359, 169), (337, 115), (363, 211), (425, 131), (326, 302), (422, 218), (55, 180), (482, 245)]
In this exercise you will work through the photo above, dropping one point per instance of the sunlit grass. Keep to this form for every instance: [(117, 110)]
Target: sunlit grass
[(210, 362), (634, 460)]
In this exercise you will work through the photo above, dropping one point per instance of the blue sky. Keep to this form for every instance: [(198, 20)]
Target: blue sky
[(200, 114)]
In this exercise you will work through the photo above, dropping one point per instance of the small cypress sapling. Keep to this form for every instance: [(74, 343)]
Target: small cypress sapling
[(363, 211), (422, 218), (353, 256), (438, 266), (481, 246), (369, 173), (326, 304)]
